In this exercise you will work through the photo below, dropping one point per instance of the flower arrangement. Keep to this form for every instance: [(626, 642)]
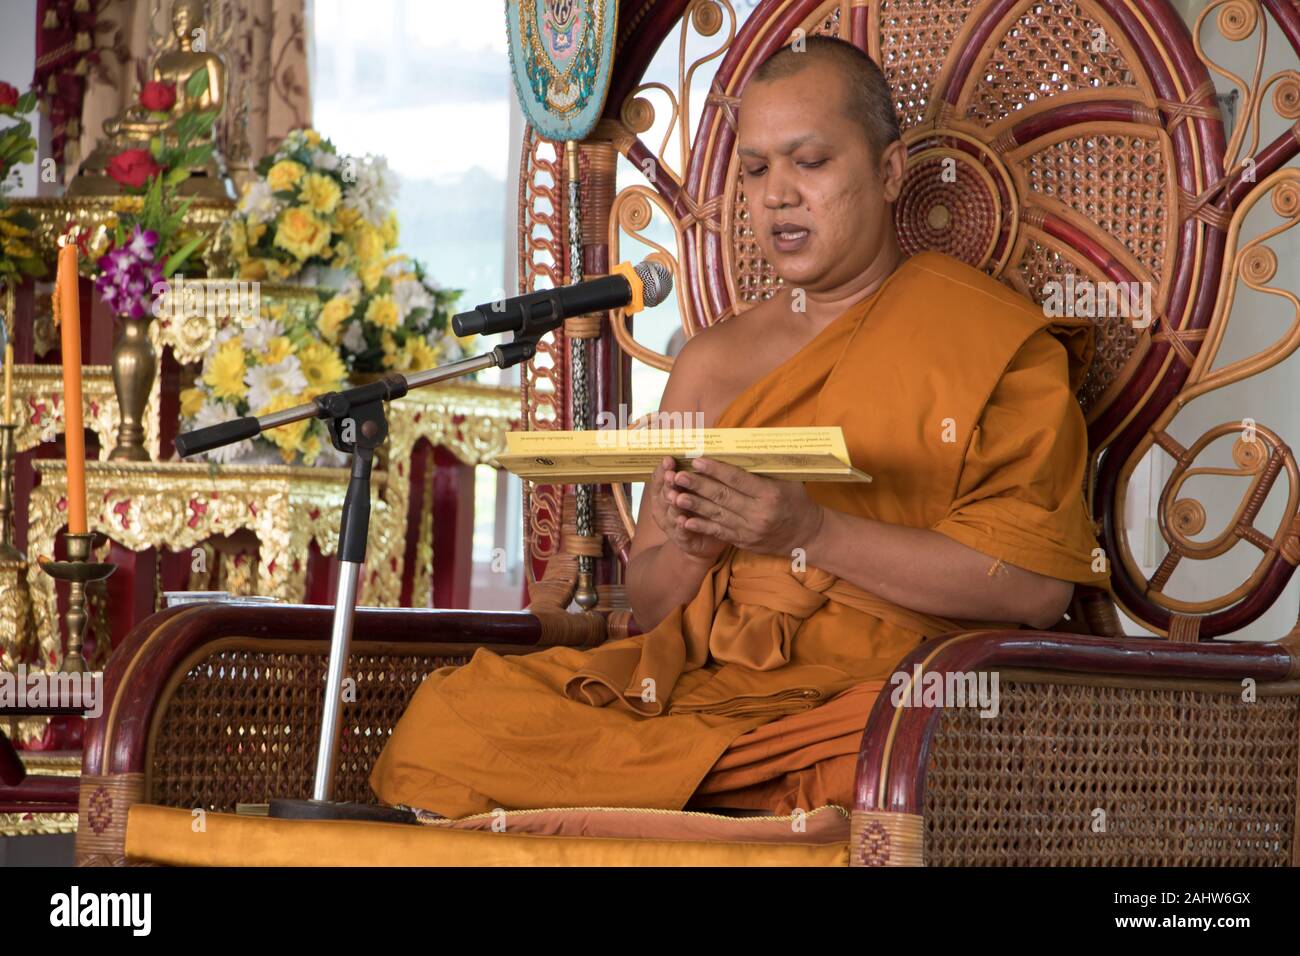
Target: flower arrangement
[(17, 145), (260, 366), (312, 206), (149, 242), (399, 325)]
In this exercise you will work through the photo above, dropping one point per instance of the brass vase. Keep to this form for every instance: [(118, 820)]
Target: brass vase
[(135, 363)]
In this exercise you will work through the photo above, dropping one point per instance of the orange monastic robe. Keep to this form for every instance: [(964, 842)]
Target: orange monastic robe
[(957, 396)]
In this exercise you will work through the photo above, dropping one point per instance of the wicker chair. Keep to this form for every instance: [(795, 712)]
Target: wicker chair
[(1083, 136)]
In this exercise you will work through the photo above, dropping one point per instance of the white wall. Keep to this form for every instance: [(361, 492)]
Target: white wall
[(17, 62)]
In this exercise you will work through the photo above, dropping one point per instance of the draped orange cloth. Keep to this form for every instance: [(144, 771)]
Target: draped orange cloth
[(957, 396)]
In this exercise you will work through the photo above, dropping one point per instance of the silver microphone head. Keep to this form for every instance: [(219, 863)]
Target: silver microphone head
[(656, 282)]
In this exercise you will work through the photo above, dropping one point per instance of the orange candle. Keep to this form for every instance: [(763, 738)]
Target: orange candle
[(67, 314)]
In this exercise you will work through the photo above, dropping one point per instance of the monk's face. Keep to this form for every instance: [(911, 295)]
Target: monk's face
[(818, 194)]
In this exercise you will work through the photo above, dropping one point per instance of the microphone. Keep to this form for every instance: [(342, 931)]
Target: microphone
[(626, 287)]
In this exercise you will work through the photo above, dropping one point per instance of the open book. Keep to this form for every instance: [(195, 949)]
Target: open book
[(601, 456)]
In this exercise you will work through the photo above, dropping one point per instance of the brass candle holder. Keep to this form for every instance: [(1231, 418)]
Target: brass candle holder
[(7, 454), (78, 571)]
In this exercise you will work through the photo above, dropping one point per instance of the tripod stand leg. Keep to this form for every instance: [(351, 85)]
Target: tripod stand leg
[(345, 602)]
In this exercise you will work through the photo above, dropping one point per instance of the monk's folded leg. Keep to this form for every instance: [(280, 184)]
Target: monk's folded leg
[(499, 732)]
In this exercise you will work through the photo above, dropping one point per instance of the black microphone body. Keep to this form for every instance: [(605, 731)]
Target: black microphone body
[(525, 314), (539, 312)]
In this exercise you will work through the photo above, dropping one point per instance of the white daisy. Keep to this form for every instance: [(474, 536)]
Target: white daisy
[(375, 188), (266, 382), (354, 339), (323, 160), (258, 334), (259, 203), (410, 295), (214, 413)]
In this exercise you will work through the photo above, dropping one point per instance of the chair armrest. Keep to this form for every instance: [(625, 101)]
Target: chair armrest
[(1123, 726)]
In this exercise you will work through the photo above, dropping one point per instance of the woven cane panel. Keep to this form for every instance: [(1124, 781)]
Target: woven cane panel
[(829, 25), (1049, 50), (242, 727), (916, 39), (1115, 338), (1183, 778), (1116, 182), (756, 280)]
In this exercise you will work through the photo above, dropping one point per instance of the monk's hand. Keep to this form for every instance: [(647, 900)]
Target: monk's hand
[(672, 520), (729, 504)]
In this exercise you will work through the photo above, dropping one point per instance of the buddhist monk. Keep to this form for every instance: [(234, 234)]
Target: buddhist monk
[(775, 611)]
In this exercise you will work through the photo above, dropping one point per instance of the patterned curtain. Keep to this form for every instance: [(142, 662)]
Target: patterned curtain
[(264, 45)]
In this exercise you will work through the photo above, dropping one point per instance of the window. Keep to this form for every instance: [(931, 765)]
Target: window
[(431, 93)]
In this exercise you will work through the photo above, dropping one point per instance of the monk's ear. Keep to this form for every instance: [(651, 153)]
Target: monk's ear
[(893, 164)]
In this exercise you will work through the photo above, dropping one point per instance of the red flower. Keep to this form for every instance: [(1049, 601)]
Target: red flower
[(158, 97), (133, 167), (8, 94)]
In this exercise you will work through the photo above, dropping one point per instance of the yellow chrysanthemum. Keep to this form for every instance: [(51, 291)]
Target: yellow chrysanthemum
[(422, 354), (333, 315), (191, 401), (395, 358), (255, 232), (321, 365), (390, 229), (10, 228), (311, 136), (382, 312), (19, 250), (345, 217), (253, 269), (277, 350), (311, 448), (288, 438), (238, 236), (284, 175), (367, 243), (225, 372), (321, 193), (372, 274), (300, 233)]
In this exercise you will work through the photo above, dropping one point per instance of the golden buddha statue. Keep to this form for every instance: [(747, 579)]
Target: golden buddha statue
[(135, 126)]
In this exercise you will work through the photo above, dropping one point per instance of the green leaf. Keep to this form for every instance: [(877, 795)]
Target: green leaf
[(26, 102), (196, 84), (178, 176), (184, 127), (155, 147), (177, 258), (203, 123)]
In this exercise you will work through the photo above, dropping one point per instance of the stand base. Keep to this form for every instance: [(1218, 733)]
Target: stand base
[(285, 809)]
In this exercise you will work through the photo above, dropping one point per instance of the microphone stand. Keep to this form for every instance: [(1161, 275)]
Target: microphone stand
[(357, 426)]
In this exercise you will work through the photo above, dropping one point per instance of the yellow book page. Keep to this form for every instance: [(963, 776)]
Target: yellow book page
[(597, 456)]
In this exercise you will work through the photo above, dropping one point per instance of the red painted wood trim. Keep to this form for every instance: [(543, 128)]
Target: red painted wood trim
[(903, 769), (58, 794)]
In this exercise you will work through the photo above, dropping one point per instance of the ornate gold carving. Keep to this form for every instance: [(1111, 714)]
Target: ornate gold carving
[(39, 407), (52, 216), (146, 505), (37, 824), (15, 613)]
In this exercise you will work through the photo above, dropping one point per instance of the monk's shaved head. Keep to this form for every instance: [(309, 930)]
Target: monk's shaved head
[(867, 97)]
